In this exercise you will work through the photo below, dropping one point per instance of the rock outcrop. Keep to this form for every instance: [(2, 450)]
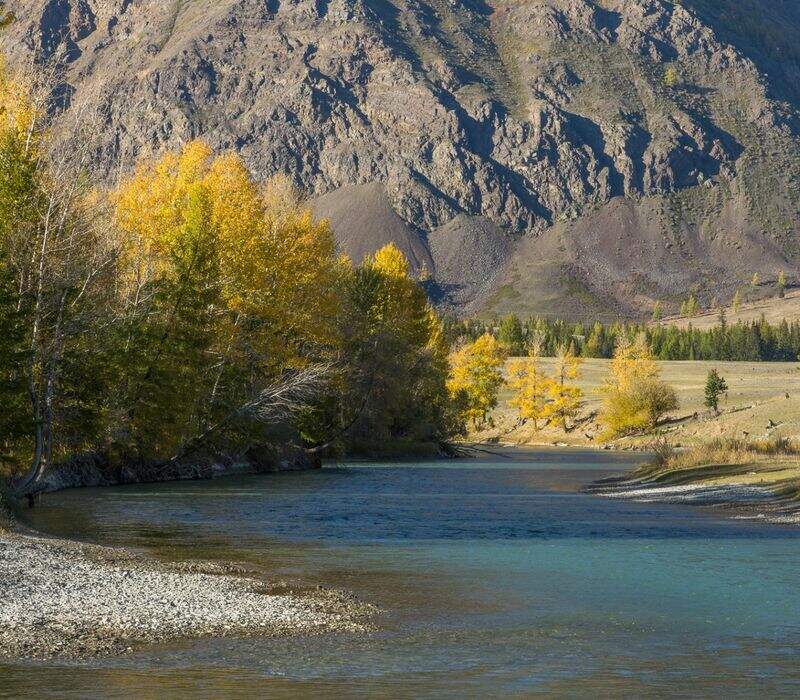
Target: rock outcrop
[(532, 115)]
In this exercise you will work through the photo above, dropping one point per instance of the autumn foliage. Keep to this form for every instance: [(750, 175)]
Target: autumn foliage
[(168, 318)]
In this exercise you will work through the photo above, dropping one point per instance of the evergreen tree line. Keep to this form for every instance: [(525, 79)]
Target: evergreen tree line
[(752, 342), (191, 312)]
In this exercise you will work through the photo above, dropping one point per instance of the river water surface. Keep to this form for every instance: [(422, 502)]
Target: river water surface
[(495, 575)]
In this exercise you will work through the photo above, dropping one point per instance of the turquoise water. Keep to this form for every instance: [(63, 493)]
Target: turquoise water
[(496, 576)]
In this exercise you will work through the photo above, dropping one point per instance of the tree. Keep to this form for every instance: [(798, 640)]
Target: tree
[(755, 281), (16, 422), (564, 397), (224, 289), (60, 259), (394, 363), (635, 398), (672, 77), (737, 302), (690, 307), (715, 387), (6, 16), (657, 313), (595, 344), (781, 284), (529, 385), (510, 334), (476, 373)]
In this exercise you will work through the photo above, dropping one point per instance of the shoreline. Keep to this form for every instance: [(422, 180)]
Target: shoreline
[(66, 599), (743, 496)]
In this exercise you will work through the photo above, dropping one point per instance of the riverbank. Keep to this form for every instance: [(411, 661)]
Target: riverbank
[(762, 489), (65, 599)]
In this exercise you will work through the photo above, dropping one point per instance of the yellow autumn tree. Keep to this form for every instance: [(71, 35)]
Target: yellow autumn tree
[(529, 385), (563, 395), (235, 283), (635, 398), (276, 264), (476, 374)]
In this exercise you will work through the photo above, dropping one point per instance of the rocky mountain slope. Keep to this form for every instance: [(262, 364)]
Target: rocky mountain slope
[(568, 156)]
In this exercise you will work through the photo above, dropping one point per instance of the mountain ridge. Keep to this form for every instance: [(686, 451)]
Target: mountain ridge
[(624, 150)]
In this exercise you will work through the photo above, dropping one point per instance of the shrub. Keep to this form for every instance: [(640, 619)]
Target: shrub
[(638, 407)]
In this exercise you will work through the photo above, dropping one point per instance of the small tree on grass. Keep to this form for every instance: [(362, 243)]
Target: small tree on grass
[(476, 375), (657, 313), (715, 387), (737, 302), (672, 77), (781, 284), (564, 397), (529, 385), (635, 398)]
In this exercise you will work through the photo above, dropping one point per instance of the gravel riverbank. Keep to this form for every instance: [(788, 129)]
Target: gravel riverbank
[(67, 599), (750, 501)]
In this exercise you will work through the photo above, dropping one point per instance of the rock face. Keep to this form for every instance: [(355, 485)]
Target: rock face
[(531, 114)]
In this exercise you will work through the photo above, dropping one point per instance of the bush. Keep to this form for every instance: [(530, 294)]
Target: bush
[(638, 407)]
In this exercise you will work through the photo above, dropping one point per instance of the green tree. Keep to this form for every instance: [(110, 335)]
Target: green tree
[(511, 335), (657, 313), (715, 387), (390, 394), (781, 284), (16, 425)]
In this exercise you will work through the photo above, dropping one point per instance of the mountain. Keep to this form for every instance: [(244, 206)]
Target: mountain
[(579, 157)]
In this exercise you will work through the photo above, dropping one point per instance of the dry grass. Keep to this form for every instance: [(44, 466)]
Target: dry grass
[(763, 402), (727, 451)]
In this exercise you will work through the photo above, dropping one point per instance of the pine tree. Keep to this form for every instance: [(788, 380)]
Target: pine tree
[(781, 284), (715, 387), (736, 304), (510, 334), (657, 312), (16, 422)]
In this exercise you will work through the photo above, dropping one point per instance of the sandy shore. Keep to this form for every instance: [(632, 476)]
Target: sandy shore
[(66, 599)]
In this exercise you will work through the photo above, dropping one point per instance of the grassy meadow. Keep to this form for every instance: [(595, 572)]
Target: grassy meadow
[(755, 407)]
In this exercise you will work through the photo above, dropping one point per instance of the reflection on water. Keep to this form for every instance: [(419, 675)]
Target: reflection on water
[(495, 575)]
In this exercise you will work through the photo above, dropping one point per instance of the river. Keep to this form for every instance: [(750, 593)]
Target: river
[(495, 574)]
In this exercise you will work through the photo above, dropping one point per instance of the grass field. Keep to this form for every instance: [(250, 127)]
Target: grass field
[(756, 406)]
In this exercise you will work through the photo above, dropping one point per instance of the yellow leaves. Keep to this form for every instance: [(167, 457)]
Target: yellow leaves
[(529, 385), (275, 263), (476, 374), (391, 262), (400, 302), (537, 396), (635, 397), (564, 399), (18, 113), (633, 361)]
